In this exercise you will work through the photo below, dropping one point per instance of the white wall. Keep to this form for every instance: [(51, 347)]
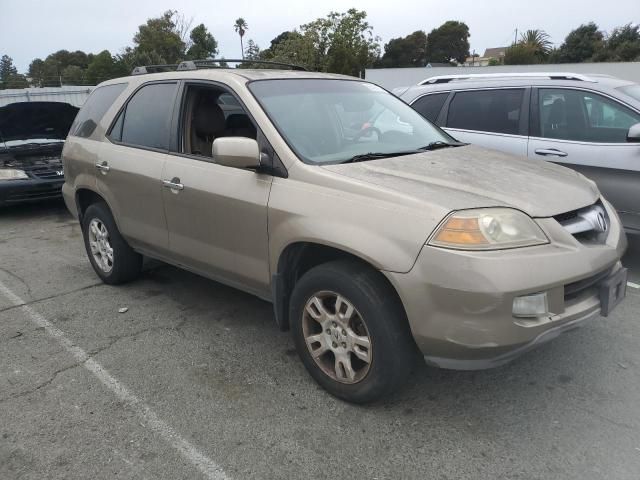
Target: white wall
[(401, 77), (72, 95)]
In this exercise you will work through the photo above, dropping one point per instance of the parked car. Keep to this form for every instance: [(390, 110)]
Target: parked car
[(590, 123), (31, 138), (372, 246)]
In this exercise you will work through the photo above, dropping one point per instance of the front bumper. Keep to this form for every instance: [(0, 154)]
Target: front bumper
[(459, 303), (29, 190)]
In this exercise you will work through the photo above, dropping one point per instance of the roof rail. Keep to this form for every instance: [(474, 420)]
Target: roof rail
[(500, 76), (210, 63), (151, 68)]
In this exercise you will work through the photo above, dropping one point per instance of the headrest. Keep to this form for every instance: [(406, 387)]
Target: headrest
[(208, 118)]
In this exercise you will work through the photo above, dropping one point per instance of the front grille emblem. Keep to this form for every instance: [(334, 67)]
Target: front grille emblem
[(596, 218)]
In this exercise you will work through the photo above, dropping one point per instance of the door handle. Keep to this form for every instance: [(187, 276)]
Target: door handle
[(173, 184), (103, 167), (552, 152)]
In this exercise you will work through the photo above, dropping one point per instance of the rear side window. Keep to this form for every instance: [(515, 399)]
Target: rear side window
[(146, 119), (429, 106), (486, 110), (583, 116), (94, 109)]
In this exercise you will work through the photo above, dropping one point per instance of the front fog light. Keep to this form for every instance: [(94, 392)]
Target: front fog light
[(527, 306)]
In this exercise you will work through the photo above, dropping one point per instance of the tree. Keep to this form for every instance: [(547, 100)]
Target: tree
[(7, 68), (521, 54), (537, 41), (252, 51), (241, 27), (104, 67), (202, 44), (73, 75), (448, 43), (623, 45), (338, 43), (580, 45), (268, 53), (409, 51), (161, 36)]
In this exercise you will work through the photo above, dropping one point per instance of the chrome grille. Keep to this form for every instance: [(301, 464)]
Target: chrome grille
[(587, 224)]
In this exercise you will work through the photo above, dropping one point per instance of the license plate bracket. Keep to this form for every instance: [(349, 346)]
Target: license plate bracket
[(613, 289)]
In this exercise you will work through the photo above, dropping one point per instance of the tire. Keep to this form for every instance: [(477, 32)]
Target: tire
[(125, 264), (377, 315)]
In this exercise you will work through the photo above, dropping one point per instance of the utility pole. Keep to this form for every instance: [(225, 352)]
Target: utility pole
[(515, 39)]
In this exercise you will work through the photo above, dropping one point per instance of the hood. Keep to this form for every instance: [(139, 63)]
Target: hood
[(35, 120), (472, 177)]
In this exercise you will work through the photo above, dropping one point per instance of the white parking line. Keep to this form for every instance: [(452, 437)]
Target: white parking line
[(207, 466), (633, 285)]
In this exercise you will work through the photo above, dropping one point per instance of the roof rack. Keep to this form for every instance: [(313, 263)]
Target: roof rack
[(500, 76), (210, 63)]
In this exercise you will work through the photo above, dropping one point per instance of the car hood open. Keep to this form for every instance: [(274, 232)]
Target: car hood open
[(35, 120), (472, 177)]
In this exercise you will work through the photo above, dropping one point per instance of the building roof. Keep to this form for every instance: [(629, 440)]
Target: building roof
[(494, 52)]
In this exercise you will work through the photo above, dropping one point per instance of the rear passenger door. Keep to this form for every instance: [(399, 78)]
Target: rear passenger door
[(587, 131), (493, 118), (130, 167)]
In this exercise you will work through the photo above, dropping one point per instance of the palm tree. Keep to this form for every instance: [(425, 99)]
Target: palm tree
[(241, 27), (538, 41)]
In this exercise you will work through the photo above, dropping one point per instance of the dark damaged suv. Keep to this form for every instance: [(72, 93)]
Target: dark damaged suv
[(32, 135)]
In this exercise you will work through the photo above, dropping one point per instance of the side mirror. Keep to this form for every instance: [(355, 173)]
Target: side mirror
[(633, 135), (236, 152)]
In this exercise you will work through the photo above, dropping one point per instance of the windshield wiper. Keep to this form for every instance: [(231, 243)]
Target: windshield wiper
[(375, 155), (440, 144)]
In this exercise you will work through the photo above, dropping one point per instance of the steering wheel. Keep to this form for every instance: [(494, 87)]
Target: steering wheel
[(365, 131)]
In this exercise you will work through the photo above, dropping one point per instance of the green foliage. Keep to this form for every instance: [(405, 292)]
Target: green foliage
[(521, 54), (581, 45), (409, 51), (103, 67), (623, 45), (240, 26), (493, 62), (9, 76), (534, 47), (161, 36), (202, 44), (73, 75), (339, 43), (448, 43)]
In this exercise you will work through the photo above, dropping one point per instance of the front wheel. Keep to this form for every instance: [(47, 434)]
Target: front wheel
[(110, 255), (351, 331)]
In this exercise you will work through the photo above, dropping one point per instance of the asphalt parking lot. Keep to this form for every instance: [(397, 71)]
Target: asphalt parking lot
[(195, 381)]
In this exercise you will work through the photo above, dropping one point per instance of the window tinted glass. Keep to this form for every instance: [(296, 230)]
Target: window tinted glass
[(429, 106), (583, 116), (486, 110), (94, 108), (148, 116), (116, 130)]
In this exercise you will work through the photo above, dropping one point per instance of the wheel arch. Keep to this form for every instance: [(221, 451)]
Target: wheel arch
[(299, 257)]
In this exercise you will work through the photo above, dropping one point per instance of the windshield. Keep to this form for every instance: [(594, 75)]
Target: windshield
[(632, 90), (332, 121)]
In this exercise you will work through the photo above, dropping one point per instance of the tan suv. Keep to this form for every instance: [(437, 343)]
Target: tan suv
[(374, 234)]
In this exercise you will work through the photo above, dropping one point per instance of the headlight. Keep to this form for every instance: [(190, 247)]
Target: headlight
[(12, 174), (488, 229)]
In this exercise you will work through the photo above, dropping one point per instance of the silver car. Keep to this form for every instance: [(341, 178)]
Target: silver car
[(588, 123)]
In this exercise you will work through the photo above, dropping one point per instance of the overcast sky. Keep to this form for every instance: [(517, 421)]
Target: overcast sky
[(35, 28)]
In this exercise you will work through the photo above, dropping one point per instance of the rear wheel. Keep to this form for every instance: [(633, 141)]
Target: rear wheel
[(351, 331), (110, 255)]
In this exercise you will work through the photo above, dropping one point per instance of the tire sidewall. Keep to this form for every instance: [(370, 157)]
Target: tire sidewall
[(386, 360)]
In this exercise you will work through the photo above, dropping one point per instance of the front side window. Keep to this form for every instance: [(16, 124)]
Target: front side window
[(583, 116), (429, 106), (146, 119), (486, 110), (94, 109), (331, 121)]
